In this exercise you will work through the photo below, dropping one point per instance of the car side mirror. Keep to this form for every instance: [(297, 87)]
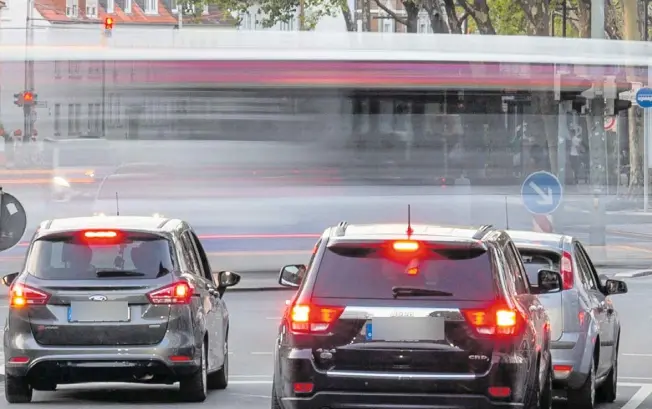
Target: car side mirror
[(613, 287), (226, 279), (9, 279), (292, 275), (548, 281)]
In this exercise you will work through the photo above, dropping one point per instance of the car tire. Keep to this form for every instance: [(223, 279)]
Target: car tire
[(276, 403), (220, 378), (17, 389), (546, 396), (194, 388), (608, 391), (533, 393), (584, 397)]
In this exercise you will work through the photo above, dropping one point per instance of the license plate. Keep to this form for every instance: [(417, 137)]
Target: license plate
[(406, 329), (98, 311)]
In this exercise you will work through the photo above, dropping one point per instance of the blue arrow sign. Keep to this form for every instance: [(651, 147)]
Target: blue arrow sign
[(541, 193), (644, 97)]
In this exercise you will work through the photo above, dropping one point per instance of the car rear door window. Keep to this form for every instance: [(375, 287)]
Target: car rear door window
[(364, 272), (133, 255)]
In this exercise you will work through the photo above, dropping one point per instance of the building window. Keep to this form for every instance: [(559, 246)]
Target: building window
[(74, 119), (57, 69), (110, 6), (151, 6), (72, 8), (57, 119), (74, 69), (91, 11), (173, 6), (127, 6)]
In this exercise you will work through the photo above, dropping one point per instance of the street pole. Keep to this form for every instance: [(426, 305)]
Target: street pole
[(597, 151), (29, 72)]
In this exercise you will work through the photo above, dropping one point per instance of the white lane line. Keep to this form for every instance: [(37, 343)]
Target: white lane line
[(639, 355), (262, 353), (250, 376), (252, 383), (638, 398), (636, 378), (249, 395)]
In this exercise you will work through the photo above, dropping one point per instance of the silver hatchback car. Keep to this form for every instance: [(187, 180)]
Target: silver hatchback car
[(585, 328), (116, 299)]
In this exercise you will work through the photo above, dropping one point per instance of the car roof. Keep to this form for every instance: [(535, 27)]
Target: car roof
[(399, 231), (152, 224), (533, 239)]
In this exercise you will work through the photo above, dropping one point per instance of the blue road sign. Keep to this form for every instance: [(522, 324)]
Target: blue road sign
[(644, 97), (541, 193)]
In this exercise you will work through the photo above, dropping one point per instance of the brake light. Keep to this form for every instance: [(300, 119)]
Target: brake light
[(22, 296), (405, 246), (567, 276), (176, 293), (312, 318), (100, 234), (495, 321), (100, 237)]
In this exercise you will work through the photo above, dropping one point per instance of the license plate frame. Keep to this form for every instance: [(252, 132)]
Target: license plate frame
[(406, 329), (99, 312)]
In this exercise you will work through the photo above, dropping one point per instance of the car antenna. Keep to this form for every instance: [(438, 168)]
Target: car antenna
[(117, 204), (506, 214), (409, 226)]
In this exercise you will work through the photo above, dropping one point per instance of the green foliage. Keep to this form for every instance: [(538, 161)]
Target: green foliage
[(271, 12), (507, 17)]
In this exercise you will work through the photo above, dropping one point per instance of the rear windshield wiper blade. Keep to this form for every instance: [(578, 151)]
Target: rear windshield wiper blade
[(118, 273), (418, 292)]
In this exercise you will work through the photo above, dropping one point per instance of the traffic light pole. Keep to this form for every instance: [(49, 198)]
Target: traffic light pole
[(29, 73)]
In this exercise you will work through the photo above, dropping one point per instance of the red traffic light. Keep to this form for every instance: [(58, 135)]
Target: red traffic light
[(108, 23), (28, 97)]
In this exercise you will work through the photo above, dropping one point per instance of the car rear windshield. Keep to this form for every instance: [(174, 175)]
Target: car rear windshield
[(72, 256), (535, 260), (363, 272)]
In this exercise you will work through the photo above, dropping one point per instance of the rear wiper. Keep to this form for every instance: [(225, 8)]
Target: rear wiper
[(118, 273), (418, 292)]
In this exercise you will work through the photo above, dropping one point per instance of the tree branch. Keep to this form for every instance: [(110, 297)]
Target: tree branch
[(391, 13)]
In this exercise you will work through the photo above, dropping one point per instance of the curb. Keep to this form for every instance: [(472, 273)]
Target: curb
[(634, 274)]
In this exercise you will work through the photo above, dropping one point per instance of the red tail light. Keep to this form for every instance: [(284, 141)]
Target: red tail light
[(101, 236), (405, 246), (499, 321), (177, 293), (310, 318), (567, 276), (21, 296)]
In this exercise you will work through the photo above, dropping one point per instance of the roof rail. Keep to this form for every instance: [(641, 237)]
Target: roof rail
[(482, 231), (340, 229)]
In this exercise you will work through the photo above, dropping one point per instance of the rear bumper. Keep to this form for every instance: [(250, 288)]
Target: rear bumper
[(392, 401), (64, 364), (571, 350), (363, 389)]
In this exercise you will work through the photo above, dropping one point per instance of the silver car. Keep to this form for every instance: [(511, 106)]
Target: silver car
[(116, 299), (585, 328)]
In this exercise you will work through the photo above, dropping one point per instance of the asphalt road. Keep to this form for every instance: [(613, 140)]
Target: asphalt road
[(254, 321)]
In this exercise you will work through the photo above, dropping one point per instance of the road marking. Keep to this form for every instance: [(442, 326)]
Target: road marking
[(631, 248), (250, 376), (273, 318), (639, 355), (255, 383), (262, 353), (638, 398), (249, 395), (636, 378)]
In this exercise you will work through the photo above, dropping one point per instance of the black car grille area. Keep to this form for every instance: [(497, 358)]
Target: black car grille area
[(109, 335)]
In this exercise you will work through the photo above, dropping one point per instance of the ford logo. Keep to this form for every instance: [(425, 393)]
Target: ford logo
[(97, 298)]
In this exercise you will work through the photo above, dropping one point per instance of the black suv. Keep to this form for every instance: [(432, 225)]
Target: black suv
[(387, 316)]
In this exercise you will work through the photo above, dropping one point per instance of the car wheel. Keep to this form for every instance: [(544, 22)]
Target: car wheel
[(533, 393), (194, 388), (609, 389), (545, 399), (276, 403), (584, 397), (17, 389), (220, 378)]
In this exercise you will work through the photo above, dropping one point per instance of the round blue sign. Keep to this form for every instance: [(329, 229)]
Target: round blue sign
[(541, 193), (644, 97)]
